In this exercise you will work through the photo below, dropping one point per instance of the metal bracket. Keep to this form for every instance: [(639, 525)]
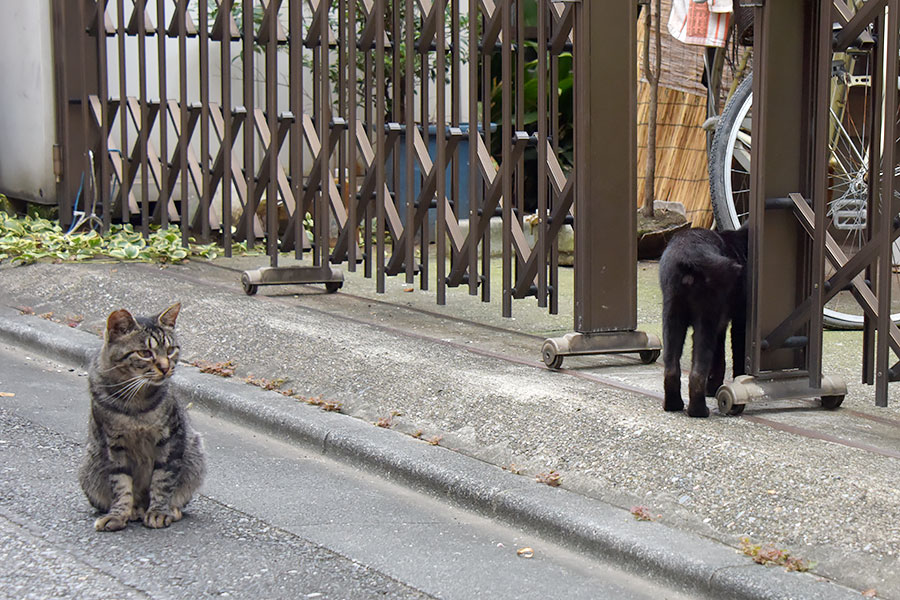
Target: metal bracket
[(646, 345), (332, 278)]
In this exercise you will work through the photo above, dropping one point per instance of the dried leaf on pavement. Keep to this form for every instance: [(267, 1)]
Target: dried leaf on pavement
[(642, 513), (553, 479)]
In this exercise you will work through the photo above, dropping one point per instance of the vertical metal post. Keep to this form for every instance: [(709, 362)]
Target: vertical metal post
[(605, 192), (125, 184), (206, 192), (821, 90), (295, 37), (781, 117), (441, 163), (506, 166), (886, 218), (161, 38), (320, 219), (352, 217), (249, 216), (228, 124), (183, 141), (271, 35), (409, 115), (140, 9), (542, 187), (380, 143), (474, 59), (791, 99), (103, 93)]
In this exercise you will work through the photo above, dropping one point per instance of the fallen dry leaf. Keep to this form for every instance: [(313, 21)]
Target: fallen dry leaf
[(408, 289), (7, 395), (642, 513), (553, 479), (870, 593), (525, 552), (222, 369)]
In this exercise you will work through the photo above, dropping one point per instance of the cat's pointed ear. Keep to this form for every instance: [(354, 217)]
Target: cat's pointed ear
[(118, 324), (167, 317)]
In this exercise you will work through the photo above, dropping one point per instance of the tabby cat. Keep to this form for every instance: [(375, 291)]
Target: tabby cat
[(702, 274), (143, 460)]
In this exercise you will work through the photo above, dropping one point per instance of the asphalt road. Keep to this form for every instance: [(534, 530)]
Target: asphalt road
[(273, 521)]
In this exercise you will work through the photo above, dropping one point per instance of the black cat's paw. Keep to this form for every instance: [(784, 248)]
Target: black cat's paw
[(675, 404), (697, 409)]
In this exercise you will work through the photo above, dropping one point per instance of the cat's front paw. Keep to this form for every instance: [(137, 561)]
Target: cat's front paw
[(159, 518), (110, 523)]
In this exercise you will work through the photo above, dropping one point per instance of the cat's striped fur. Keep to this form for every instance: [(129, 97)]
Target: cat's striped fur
[(143, 460)]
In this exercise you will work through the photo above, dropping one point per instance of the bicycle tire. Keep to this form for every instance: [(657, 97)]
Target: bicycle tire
[(730, 208), (725, 213)]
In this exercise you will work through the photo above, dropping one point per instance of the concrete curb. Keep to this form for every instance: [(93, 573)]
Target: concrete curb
[(688, 561)]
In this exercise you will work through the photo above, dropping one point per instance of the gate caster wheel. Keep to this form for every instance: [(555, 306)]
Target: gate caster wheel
[(551, 359), (726, 403), (648, 356), (831, 402), (249, 288), (333, 286)]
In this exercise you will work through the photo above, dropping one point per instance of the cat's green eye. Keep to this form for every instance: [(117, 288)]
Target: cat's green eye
[(173, 351), (145, 354)]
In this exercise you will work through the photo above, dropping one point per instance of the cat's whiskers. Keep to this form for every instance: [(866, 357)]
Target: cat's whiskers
[(130, 389), (122, 383)]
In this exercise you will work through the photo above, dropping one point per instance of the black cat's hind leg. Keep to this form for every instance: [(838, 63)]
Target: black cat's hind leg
[(717, 368), (674, 332), (705, 338)]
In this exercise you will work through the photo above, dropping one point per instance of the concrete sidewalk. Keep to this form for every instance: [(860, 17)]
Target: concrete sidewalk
[(822, 484)]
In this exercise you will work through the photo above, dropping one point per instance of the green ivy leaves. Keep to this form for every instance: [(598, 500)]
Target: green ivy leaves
[(29, 239)]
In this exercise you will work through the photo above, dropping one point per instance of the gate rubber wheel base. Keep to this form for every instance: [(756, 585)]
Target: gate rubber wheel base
[(648, 356), (249, 288), (831, 402)]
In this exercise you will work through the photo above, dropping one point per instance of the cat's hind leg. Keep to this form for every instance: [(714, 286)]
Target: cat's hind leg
[(717, 368), (705, 337), (675, 324)]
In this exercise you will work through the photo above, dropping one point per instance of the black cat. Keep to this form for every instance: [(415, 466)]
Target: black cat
[(702, 274)]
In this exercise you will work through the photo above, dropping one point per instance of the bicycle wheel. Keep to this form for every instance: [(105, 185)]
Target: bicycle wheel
[(846, 219)]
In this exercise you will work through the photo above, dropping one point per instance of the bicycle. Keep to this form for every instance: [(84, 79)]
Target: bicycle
[(847, 216)]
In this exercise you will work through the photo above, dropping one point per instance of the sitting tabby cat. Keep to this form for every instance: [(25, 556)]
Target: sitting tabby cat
[(702, 276), (143, 461)]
